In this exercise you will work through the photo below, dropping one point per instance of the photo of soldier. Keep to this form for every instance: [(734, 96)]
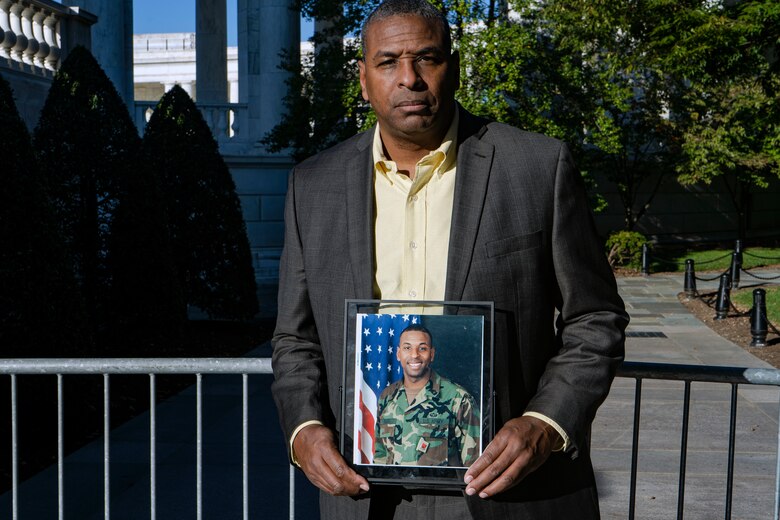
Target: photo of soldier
[(425, 419)]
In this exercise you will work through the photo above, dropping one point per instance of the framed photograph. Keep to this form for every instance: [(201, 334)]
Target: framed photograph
[(417, 400)]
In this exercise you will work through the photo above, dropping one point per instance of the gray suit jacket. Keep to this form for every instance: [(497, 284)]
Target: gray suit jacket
[(522, 236)]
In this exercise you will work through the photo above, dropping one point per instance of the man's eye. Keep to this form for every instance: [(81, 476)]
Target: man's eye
[(386, 63), (428, 60)]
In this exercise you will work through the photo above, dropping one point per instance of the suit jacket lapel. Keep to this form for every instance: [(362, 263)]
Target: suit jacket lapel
[(475, 158), (360, 215)]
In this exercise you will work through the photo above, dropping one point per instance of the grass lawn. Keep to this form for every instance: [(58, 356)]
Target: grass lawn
[(744, 299), (711, 260)]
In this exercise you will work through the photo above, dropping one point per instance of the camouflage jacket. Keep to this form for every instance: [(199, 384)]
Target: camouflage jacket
[(439, 428)]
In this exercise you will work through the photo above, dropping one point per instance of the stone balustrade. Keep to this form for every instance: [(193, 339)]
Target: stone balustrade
[(31, 34), (228, 122)]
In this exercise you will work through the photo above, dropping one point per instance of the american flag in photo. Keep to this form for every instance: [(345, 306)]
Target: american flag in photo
[(380, 334)]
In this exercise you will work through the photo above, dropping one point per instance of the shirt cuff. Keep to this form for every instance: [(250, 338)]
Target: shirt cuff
[(295, 433), (564, 436)]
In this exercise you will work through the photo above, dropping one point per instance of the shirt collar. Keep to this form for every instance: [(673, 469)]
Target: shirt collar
[(444, 156)]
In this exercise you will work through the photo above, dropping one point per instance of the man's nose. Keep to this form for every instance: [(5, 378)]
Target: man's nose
[(408, 76)]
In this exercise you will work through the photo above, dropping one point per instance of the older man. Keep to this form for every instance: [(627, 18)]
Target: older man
[(437, 204)]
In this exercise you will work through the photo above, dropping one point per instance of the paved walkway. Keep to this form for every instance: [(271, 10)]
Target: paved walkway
[(652, 303)]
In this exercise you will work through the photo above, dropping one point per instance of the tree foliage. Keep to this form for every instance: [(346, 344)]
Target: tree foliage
[(86, 143), (207, 230), (643, 90), (722, 63), (106, 204), (41, 312)]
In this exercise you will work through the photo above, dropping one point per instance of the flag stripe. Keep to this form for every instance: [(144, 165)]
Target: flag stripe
[(379, 335)]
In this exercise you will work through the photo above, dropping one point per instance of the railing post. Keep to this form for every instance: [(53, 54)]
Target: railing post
[(645, 260), (724, 301), (736, 266), (690, 278), (758, 321)]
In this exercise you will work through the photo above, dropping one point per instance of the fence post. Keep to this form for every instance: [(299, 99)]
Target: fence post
[(736, 266), (758, 321), (645, 260), (690, 278), (724, 300)]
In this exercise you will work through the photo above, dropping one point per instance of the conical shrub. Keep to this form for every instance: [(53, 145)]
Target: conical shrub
[(207, 229), (41, 312)]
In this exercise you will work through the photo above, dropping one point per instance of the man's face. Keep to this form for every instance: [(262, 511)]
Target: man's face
[(409, 78), (415, 353)]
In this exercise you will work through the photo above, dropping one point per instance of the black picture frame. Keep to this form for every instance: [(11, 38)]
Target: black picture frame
[(462, 335)]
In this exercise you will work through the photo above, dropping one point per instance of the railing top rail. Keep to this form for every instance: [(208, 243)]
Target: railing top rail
[(136, 366), (701, 373)]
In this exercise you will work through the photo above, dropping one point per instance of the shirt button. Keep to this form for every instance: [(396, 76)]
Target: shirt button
[(413, 244), (413, 294), (413, 198)]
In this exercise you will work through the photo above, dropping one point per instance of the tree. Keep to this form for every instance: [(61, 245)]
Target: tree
[(41, 311), (723, 64), (324, 104), (207, 230), (89, 150), (578, 70)]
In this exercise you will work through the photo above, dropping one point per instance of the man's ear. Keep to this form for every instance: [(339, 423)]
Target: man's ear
[(362, 69)]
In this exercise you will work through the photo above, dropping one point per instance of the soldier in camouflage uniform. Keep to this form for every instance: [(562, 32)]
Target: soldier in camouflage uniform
[(425, 419)]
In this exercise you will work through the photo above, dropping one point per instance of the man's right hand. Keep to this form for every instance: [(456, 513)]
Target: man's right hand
[(315, 450)]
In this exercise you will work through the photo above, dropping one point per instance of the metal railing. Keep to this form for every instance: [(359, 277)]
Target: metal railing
[(246, 366), (688, 374), (144, 366)]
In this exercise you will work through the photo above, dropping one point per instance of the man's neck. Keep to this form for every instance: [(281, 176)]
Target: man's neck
[(413, 387), (405, 154)]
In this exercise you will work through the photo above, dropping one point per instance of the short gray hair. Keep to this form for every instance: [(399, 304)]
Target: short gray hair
[(421, 8)]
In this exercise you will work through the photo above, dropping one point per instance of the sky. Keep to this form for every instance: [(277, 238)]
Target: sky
[(156, 16)]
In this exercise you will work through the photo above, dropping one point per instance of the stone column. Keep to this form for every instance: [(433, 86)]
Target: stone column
[(112, 41), (187, 86), (211, 51), (265, 29)]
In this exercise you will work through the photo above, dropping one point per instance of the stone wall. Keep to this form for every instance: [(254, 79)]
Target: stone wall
[(261, 183), (693, 213)]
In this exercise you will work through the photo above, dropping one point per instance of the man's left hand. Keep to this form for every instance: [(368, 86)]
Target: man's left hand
[(519, 447)]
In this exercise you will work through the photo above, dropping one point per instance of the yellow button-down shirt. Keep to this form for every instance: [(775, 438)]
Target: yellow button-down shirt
[(413, 218)]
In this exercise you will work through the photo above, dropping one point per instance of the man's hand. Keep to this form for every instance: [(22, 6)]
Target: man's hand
[(315, 450), (519, 447)]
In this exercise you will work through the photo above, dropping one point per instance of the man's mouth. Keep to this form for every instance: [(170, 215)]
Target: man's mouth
[(412, 105), (414, 366)]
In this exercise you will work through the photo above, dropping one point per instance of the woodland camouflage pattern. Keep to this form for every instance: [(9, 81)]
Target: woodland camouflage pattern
[(440, 428)]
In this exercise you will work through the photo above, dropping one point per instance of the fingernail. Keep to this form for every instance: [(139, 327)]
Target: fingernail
[(468, 479), (364, 487), (470, 491), (483, 495)]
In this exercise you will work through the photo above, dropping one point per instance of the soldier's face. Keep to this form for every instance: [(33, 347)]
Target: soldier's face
[(415, 353)]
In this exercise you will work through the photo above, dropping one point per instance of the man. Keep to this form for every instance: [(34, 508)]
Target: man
[(437, 204), (425, 419)]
